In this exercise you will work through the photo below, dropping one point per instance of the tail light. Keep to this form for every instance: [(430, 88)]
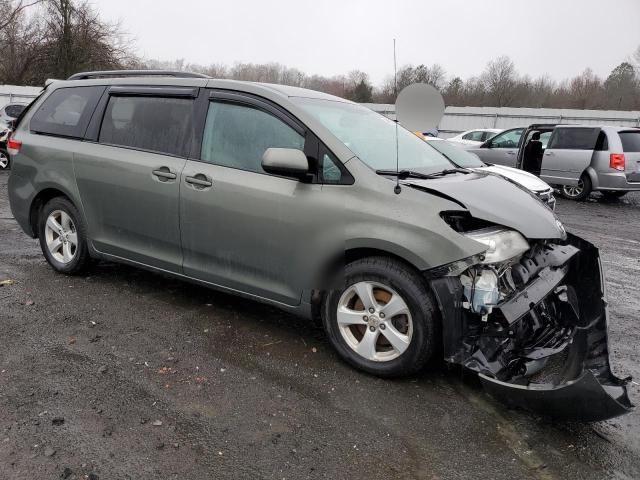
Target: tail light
[(13, 146), (616, 161)]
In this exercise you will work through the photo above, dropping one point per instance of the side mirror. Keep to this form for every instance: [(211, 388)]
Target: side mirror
[(487, 144), (288, 162)]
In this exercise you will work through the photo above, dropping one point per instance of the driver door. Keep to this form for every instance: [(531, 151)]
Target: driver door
[(501, 149), (242, 228)]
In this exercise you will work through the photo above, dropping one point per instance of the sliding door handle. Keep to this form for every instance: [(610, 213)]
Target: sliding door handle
[(199, 180)]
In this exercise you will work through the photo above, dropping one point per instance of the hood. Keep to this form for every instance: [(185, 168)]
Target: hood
[(494, 199), (526, 179)]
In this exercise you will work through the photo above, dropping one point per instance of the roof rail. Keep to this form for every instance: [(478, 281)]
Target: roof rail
[(135, 73)]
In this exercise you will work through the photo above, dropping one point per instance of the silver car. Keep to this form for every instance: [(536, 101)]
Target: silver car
[(325, 209), (577, 159), (580, 159), (466, 159)]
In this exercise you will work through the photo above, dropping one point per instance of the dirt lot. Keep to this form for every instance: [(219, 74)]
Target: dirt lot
[(125, 374)]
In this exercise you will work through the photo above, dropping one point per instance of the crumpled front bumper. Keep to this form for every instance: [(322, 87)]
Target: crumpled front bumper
[(549, 352)]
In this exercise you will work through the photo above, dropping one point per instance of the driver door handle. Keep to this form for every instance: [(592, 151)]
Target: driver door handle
[(163, 173), (549, 154)]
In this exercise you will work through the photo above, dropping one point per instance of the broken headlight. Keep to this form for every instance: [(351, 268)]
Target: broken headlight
[(502, 244)]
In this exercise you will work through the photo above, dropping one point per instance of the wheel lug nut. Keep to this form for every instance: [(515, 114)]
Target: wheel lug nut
[(382, 326), (372, 328), (365, 318), (371, 310), (381, 315)]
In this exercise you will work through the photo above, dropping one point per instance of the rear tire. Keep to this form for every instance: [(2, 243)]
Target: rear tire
[(393, 331), (613, 194), (578, 192), (5, 161), (62, 236)]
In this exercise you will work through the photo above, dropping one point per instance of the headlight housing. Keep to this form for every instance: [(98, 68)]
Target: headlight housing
[(502, 244)]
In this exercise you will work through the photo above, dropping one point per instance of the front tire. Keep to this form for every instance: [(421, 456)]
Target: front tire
[(383, 319), (62, 236), (578, 192)]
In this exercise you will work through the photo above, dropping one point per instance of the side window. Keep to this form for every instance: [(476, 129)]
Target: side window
[(468, 136), (509, 139), (574, 138), (331, 172), (66, 111), (544, 138), (158, 124), (238, 135)]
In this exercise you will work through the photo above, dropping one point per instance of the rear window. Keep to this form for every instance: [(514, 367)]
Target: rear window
[(14, 110), (476, 136), (630, 141), (157, 124), (574, 138), (66, 111)]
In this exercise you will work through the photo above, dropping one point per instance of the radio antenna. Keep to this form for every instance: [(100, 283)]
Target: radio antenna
[(397, 188)]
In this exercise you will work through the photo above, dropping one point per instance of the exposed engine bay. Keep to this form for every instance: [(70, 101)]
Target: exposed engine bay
[(531, 320)]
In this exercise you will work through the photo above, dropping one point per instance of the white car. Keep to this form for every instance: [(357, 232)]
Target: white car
[(465, 159), (474, 138)]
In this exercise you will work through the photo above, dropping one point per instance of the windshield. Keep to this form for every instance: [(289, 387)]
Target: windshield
[(457, 155), (372, 137)]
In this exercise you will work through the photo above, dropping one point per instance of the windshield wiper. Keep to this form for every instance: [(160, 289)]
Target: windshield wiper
[(402, 174), (450, 171)]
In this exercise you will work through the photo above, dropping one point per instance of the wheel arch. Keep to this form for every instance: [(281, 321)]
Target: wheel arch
[(39, 200), (349, 255), (593, 176)]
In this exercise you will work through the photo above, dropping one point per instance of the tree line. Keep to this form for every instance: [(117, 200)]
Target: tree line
[(41, 39)]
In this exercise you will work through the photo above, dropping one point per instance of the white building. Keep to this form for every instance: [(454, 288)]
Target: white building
[(459, 119), (17, 94)]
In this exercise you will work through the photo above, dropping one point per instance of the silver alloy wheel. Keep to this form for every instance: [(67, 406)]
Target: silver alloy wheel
[(4, 161), (61, 236), (375, 321), (573, 190)]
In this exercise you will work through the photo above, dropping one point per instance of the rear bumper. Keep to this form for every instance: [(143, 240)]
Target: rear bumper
[(546, 348), (617, 181)]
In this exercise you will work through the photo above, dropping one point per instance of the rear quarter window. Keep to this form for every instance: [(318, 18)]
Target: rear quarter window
[(602, 144), (630, 141), (66, 112)]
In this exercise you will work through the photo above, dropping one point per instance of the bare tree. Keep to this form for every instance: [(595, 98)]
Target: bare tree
[(622, 86), (500, 81), (10, 10), (76, 39), (20, 43)]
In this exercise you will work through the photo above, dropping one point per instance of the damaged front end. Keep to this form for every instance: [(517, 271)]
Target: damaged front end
[(533, 326)]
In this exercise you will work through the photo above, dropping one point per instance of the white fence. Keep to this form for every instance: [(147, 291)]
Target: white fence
[(459, 119)]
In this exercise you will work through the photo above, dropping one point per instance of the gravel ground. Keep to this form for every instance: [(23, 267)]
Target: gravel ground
[(126, 374)]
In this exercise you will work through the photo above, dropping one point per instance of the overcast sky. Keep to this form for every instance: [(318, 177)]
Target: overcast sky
[(555, 37)]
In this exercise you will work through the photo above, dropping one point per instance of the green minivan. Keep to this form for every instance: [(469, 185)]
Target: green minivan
[(326, 209)]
